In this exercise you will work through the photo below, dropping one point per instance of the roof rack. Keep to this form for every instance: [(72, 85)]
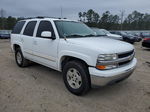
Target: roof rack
[(42, 17)]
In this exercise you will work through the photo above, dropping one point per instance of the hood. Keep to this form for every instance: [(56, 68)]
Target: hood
[(102, 44)]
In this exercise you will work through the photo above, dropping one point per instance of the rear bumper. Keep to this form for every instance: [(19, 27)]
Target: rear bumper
[(4, 37), (102, 78)]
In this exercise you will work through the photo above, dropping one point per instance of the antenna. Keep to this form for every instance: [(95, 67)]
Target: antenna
[(61, 12), (122, 18)]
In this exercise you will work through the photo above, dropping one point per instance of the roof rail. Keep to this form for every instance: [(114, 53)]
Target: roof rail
[(42, 17)]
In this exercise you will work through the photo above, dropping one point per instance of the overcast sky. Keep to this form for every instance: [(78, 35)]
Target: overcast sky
[(32, 8)]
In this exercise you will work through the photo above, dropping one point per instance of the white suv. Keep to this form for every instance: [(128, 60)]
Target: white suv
[(72, 48)]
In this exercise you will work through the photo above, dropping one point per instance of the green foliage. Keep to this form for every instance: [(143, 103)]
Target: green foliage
[(10, 22), (7, 23), (134, 21), (80, 16)]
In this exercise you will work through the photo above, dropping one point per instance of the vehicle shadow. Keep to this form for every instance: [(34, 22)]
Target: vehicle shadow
[(40, 68), (113, 90), (47, 76), (146, 49)]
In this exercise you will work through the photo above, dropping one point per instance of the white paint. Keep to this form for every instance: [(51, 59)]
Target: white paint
[(50, 52)]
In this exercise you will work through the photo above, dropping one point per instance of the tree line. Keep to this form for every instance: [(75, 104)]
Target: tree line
[(133, 21), (7, 23)]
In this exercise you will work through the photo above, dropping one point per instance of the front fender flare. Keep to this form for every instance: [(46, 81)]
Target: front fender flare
[(78, 55)]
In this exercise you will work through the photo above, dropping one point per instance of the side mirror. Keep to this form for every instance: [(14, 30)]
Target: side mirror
[(46, 34)]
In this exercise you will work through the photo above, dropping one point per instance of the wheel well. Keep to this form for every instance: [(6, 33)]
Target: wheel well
[(66, 59), (16, 47)]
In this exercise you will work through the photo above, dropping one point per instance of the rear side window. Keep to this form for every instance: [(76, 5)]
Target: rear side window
[(29, 28), (18, 27), (45, 26)]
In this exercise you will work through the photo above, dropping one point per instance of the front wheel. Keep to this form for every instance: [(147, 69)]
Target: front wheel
[(76, 77)]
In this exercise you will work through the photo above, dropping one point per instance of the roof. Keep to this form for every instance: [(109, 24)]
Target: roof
[(47, 18)]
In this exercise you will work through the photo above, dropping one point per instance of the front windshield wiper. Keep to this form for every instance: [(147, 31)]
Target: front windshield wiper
[(74, 35), (78, 35), (90, 35), (100, 35)]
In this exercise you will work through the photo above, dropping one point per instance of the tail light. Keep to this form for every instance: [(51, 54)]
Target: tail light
[(146, 38)]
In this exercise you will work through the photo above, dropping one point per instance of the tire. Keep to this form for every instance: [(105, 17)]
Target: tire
[(20, 60), (76, 77), (131, 42)]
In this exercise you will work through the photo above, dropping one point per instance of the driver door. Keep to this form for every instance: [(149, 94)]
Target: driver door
[(45, 49)]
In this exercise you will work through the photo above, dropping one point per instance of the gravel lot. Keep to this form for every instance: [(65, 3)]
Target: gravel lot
[(41, 89)]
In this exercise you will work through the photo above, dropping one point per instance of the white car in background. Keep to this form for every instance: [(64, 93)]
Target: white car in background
[(118, 37)]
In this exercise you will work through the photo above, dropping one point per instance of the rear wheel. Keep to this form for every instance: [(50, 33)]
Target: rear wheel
[(20, 60), (76, 77)]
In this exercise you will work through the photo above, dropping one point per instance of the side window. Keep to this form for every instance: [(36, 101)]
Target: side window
[(45, 26), (29, 28), (18, 27)]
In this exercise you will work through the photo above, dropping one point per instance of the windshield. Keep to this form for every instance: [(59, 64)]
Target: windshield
[(99, 32), (146, 34), (73, 29), (129, 34), (105, 31), (123, 33)]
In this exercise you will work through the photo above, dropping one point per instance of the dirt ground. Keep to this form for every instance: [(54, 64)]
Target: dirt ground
[(41, 89)]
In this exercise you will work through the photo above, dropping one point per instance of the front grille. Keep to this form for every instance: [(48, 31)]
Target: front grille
[(122, 55), (122, 60), (129, 55)]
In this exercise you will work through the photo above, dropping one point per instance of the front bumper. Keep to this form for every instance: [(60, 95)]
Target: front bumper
[(105, 77)]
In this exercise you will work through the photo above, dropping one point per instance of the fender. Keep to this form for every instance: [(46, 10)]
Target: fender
[(78, 55), (17, 43)]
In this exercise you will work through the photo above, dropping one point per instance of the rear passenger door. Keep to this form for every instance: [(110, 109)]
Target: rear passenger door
[(45, 49), (27, 39)]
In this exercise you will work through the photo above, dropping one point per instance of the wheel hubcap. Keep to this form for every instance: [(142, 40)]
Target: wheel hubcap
[(19, 58), (74, 78)]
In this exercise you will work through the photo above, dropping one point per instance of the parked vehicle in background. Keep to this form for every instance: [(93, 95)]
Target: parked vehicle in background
[(72, 48), (145, 34), (137, 36), (5, 34), (101, 32), (126, 37), (146, 42), (115, 36), (98, 32)]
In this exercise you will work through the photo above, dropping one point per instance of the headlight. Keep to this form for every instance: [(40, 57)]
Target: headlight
[(105, 58)]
